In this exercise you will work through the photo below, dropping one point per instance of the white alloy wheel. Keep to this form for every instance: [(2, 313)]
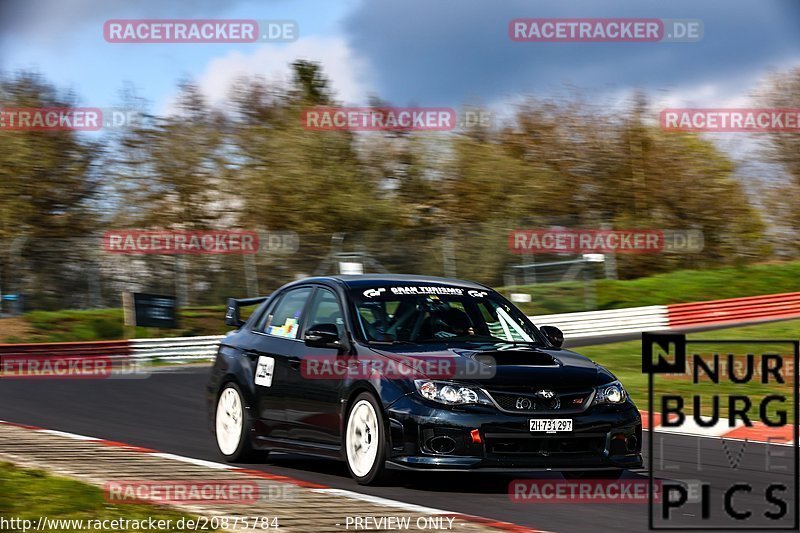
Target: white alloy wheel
[(363, 437), (230, 421)]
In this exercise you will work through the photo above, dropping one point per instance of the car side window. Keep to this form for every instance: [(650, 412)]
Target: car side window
[(261, 323), (325, 309), (259, 316), (284, 320)]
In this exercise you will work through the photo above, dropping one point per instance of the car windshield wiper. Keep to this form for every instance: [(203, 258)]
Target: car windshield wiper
[(501, 341), (452, 340), (472, 340)]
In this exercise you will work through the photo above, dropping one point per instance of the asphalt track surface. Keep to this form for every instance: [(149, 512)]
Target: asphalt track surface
[(166, 412)]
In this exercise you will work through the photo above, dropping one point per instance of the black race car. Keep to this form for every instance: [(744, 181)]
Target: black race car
[(409, 372)]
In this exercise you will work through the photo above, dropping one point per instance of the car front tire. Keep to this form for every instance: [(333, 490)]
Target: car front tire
[(365, 441)]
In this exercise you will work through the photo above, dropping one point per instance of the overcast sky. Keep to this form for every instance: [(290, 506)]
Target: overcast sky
[(423, 52)]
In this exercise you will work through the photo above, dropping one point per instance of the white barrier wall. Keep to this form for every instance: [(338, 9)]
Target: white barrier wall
[(176, 348), (606, 323)]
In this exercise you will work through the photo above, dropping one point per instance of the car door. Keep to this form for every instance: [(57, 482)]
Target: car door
[(313, 400), (273, 351)]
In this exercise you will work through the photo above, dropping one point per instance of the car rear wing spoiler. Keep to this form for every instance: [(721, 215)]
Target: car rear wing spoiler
[(232, 316)]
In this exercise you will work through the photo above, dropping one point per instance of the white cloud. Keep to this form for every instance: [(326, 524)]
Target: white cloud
[(341, 65)]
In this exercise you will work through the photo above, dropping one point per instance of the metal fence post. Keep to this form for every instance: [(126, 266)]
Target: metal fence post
[(250, 274)]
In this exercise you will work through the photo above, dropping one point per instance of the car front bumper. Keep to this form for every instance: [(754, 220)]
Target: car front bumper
[(427, 437)]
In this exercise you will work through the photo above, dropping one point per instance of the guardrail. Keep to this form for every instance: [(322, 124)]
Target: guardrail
[(176, 349)]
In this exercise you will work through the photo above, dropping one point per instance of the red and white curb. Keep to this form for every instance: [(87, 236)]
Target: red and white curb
[(758, 432), (674, 317), (314, 487)]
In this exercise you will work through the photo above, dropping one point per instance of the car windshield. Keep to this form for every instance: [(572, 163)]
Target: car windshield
[(427, 314)]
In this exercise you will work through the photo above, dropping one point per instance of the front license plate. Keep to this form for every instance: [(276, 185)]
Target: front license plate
[(551, 425)]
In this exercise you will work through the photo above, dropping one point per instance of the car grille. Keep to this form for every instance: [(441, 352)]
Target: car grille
[(530, 402)]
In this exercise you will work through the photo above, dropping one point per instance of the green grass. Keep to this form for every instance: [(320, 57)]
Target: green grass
[(624, 359), (107, 324), (674, 287), (28, 494)]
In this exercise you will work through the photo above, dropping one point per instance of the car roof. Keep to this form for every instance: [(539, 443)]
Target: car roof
[(371, 280)]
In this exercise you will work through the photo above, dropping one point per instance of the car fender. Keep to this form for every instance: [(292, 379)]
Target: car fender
[(385, 390), (230, 365)]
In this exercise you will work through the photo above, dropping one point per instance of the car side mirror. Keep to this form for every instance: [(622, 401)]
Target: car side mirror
[(553, 335), (323, 336)]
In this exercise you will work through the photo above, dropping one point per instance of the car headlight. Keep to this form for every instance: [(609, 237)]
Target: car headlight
[(610, 393), (450, 393)]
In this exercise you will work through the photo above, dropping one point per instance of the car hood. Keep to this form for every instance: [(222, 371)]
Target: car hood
[(504, 366)]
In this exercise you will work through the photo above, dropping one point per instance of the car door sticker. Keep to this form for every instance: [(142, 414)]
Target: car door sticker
[(264, 370), (288, 329)]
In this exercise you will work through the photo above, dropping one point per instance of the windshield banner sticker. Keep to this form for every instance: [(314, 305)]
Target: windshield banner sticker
[(424, 290)]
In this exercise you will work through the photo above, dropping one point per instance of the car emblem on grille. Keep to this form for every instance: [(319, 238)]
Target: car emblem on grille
[(545, 394), (523, 403)]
